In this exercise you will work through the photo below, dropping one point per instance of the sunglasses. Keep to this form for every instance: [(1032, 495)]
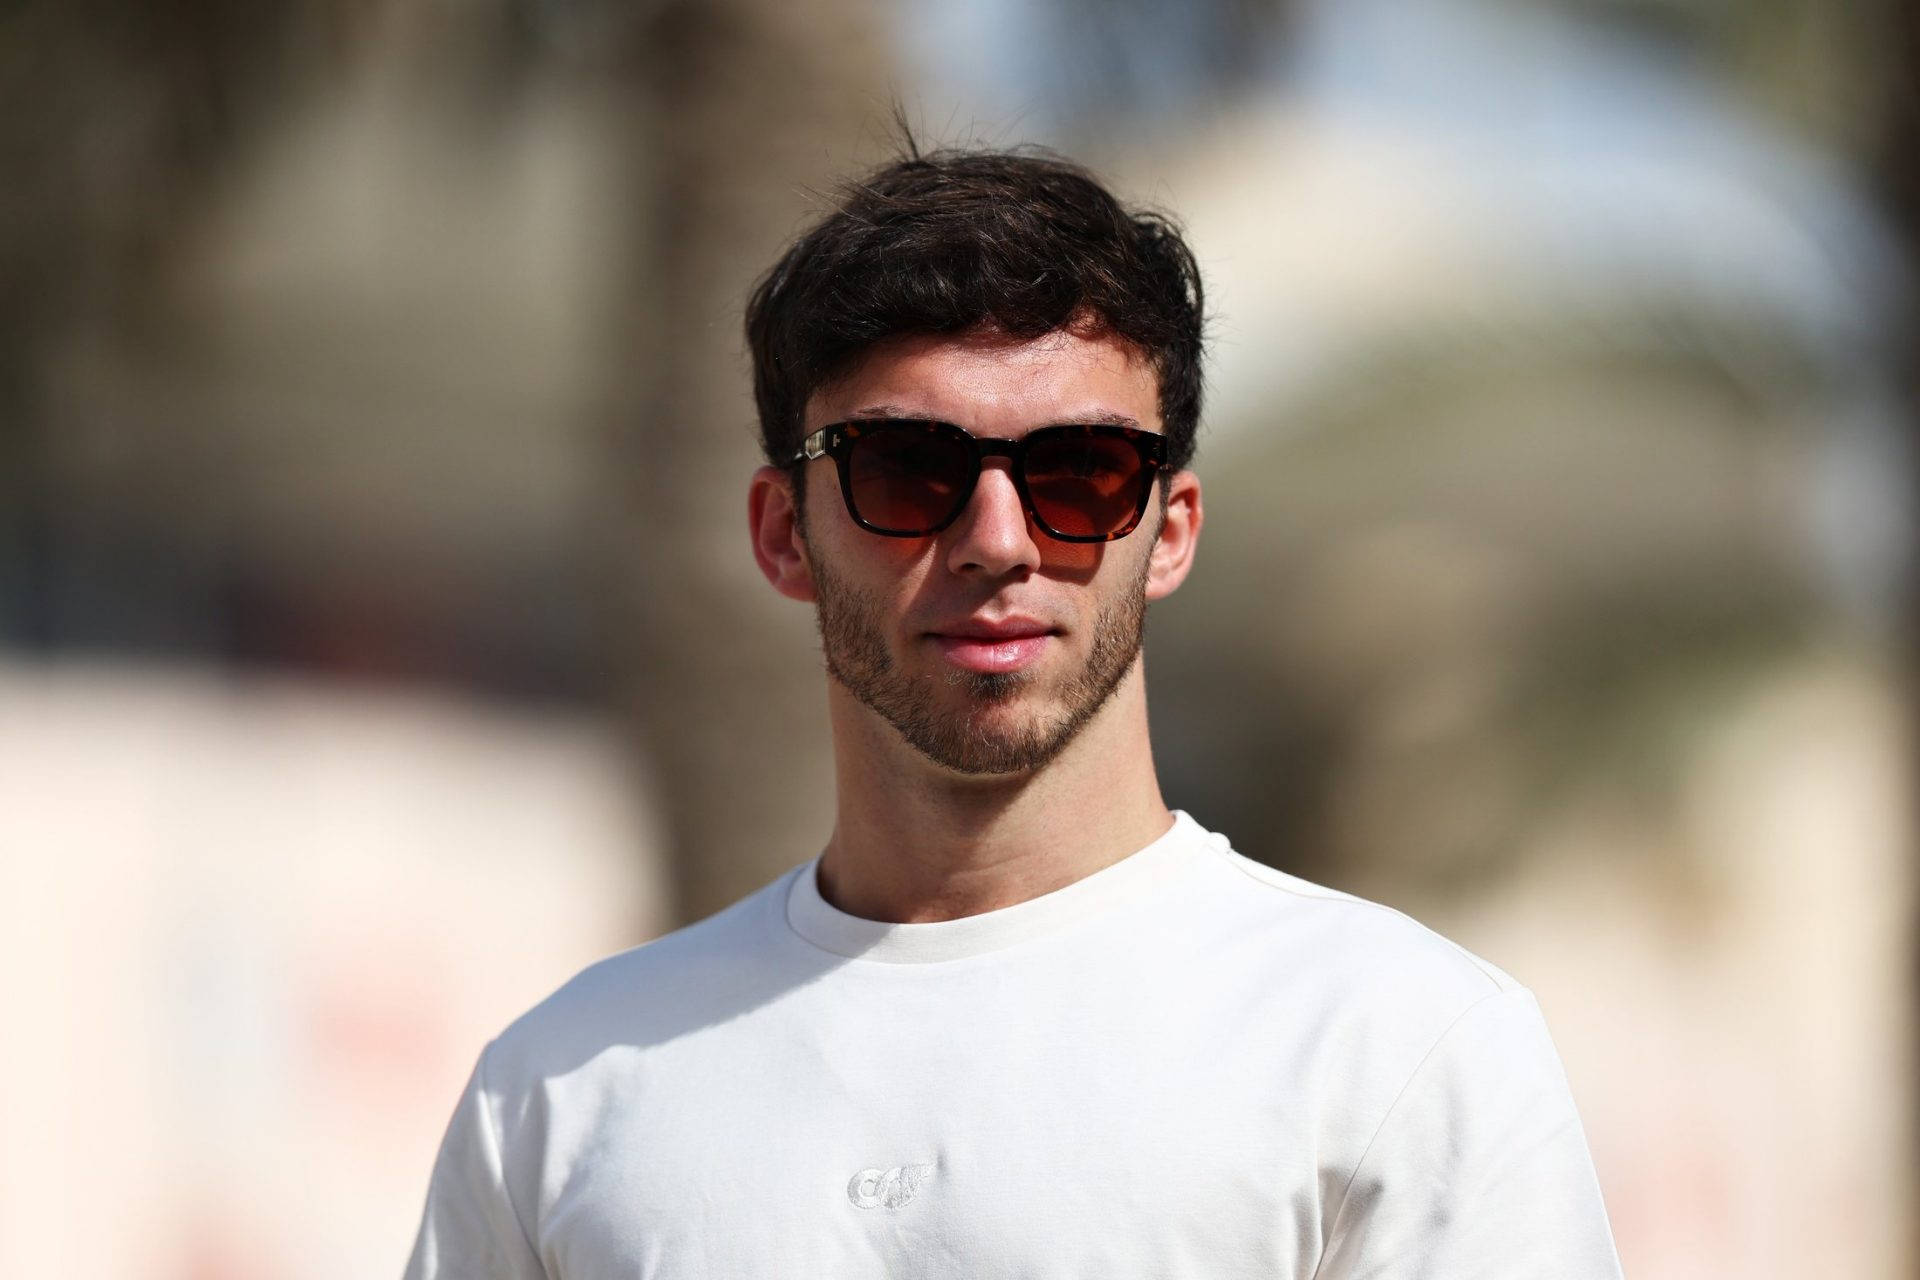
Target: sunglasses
[(909, 477)]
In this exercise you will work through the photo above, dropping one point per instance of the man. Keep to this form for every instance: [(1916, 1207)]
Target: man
[(1018, 1018)]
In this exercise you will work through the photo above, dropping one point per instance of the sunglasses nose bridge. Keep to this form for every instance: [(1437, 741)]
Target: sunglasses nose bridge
[(993, 530), (1014, 451), (990, 447)]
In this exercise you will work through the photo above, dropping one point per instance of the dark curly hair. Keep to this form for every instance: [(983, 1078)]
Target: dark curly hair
[(1021, 241)]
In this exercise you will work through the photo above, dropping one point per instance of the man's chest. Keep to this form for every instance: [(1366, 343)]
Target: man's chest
[(971, 1157)]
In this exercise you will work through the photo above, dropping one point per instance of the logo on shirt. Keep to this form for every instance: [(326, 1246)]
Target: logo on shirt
[(887, 1188)]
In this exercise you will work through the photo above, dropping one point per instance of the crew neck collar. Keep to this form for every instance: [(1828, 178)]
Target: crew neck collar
[(827, 927)]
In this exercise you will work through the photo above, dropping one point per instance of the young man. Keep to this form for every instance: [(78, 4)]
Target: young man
[(1018, 1018)]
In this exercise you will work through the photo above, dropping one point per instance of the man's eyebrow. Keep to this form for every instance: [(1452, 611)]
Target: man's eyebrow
[(1100, 418)]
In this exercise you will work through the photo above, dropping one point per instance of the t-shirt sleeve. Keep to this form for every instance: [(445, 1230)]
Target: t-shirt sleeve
[(1479, 1170), (471, 1229)]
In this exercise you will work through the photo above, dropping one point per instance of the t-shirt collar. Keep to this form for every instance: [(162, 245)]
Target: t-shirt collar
[(825, 926)]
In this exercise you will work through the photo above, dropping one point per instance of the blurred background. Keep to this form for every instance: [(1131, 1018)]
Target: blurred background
[(379, 641)]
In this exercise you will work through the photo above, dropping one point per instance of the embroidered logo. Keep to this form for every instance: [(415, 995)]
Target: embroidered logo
[(887, 1188)]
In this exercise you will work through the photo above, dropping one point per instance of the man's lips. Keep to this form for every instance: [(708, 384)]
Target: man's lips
[(1008, 644)]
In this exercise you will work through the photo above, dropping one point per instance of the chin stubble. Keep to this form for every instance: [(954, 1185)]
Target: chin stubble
[(853, 641)]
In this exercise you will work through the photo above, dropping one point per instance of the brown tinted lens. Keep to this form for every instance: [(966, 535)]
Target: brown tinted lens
[(1084, 485), (908, 477)]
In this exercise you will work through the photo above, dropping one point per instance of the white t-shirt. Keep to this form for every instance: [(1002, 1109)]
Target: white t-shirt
[(1184, 1065)]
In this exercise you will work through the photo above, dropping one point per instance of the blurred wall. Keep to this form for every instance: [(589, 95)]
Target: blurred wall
[(254, 934)]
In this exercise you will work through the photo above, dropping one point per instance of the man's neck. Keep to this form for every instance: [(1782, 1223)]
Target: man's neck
[(913, 842)]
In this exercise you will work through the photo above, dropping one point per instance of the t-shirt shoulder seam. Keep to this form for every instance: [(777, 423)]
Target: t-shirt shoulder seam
[(1281, 882), (498, 1134), (1386, 1116)]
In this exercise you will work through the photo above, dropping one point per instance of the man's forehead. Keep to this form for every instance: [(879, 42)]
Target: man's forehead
[(1062, 376)]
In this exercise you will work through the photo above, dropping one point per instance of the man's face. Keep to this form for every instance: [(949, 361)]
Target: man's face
[(988, 645)]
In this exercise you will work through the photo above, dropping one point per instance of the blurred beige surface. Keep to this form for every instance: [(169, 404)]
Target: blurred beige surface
[(254, 934)]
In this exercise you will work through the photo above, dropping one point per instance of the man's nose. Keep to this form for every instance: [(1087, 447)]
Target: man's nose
[(993, 535)]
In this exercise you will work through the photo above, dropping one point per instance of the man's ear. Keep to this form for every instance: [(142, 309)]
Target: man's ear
[(779, 546), (1173, 549)]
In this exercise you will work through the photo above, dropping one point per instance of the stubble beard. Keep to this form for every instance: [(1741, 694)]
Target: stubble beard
[(967, 740)]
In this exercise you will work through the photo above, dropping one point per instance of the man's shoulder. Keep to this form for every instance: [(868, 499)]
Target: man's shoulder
[(1331, 940), (1378, 990), (701, 974)]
